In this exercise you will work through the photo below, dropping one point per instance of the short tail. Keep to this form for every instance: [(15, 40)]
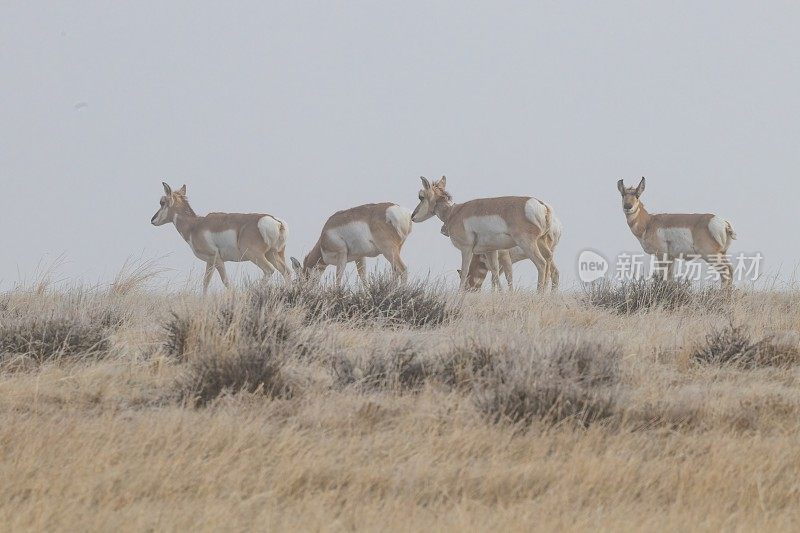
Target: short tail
[(729, 231)]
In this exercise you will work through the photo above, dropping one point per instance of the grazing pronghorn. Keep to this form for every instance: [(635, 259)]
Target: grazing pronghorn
[(679, 236), (488, 225), (219, 237), (354, 234), (479, 266)]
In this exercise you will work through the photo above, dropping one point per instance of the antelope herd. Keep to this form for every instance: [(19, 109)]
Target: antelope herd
[(490, 233)]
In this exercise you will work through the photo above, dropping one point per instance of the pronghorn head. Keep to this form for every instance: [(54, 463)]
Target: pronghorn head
[(307, 268), (630, 196), (429, 196), (169, 202), (476, 274)]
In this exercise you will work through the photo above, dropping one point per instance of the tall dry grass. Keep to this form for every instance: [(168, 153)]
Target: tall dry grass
[(398, 407)]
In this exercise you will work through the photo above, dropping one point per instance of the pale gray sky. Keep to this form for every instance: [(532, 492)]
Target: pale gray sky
[(300, 109)]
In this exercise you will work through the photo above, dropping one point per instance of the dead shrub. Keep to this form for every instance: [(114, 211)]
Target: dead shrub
[(733, 346), (51, 338), (633, 296), (400, 369), (383, 301), (234, 347), (568, 380)]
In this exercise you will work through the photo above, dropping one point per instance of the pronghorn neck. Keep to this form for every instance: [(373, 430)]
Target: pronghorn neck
[(443, 209), (314, 257), (184, 218), (638, 221)]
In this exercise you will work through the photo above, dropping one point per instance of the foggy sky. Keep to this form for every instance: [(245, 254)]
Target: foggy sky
[(300, 109)]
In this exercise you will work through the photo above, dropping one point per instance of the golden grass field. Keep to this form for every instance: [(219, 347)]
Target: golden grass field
[(273, 409)]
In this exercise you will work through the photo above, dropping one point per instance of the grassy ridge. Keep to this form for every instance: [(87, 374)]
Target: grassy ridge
[(644, 405)]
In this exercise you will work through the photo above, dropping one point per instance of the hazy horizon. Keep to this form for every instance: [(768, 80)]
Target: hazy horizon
[(302, 109)]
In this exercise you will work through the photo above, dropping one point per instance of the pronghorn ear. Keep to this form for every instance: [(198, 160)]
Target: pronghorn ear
[(442, 183), (621, 187), (182, 190), (295, 263), (167, 188), (425, 182), (640, 188)]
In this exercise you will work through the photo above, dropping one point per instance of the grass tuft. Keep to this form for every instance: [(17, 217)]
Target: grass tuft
[(633, 296)]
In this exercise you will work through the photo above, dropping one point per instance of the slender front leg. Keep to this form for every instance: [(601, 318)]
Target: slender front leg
[(466, 259), (341, 265), (506, 268), (494, 265), (223, 276), (361, 268), (207, 276)]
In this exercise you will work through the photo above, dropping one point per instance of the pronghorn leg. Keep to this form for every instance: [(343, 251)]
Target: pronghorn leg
[(466, 259), (263, 263), (664, 267), (532, 251), (506, 268), (398, 266), (207, 276), (222, 274), (278, 260), (361, 268), (341, 266), (494, 265), (551, 275), (721, 263)]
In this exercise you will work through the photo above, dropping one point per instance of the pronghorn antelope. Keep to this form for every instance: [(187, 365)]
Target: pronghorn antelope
[(479, 266), (679, 236), (354, 234), (219, 237), (488, 225)]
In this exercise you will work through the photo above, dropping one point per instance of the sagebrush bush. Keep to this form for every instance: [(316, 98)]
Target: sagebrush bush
[(253, 369), (400, 369), (49, 338), (632, 296), (734, 346), (461, 366), (568, 380), (235, 345), (382, 301)]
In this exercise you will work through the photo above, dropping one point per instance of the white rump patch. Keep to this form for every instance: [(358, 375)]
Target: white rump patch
[(536, 212), (274, 231), (400, 219), (676, 241), (355, 238), (489, 232), (556, 229), (718, 227)]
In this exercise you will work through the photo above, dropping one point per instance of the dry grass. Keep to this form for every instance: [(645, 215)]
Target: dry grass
[(387, 408)]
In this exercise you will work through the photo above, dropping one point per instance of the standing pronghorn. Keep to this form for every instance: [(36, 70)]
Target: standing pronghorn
[(354, 234), (219, 237), (679, 236), (488, 225), (479, 266)]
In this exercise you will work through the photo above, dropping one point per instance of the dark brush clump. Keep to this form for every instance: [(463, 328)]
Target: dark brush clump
[(382, 301), (567, 381), (733, 346), (632, 296), (51, 338)]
